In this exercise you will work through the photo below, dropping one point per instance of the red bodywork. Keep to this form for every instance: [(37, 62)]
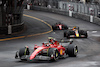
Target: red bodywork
[(38, 49), (60, 26)]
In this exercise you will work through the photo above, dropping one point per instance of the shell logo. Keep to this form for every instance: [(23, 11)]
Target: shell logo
[(61, 51), (37, 50)]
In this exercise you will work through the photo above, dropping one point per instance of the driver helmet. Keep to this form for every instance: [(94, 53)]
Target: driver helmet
[(50, 39), (74, 27)]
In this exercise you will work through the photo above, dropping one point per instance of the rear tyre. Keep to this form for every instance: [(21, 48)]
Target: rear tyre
[(65, 27), (53, 53), (68, 35), (86, 35), (69, 32), (53, 27), (64, 34), (23, 51), (72, 50), (82, 32)]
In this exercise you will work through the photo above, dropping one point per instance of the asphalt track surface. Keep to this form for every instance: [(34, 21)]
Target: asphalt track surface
[(89, 48)]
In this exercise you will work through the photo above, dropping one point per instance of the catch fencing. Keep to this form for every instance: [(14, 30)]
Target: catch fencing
[(90, 9)]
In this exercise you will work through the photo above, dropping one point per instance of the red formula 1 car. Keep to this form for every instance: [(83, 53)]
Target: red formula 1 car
[(75, 32), (59, 26), (48, 51)]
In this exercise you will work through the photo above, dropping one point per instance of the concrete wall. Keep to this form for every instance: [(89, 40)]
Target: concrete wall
[(13, 15), (96, 20), (15, 28), (79, 7), (84, 1), (81, 16), (0, 17), (74, 15)]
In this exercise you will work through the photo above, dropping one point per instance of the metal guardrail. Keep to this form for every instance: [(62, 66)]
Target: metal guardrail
[(80, 8)]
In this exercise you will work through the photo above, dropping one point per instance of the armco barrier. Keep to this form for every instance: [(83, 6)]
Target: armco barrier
[(85, 17)]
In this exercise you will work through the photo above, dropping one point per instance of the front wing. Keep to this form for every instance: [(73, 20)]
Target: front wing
[(40, 57), (74, 36)]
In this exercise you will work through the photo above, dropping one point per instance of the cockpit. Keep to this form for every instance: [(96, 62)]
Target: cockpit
[(46, 44)]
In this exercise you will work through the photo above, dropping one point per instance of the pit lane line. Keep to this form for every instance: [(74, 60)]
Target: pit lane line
[(31, 34)]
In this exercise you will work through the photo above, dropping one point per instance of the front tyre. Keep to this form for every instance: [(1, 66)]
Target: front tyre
[(72, 50), (86, 35), (23, 51), (53, 53)]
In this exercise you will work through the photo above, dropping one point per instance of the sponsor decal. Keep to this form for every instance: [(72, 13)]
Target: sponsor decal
[(61, 51), (77, 34), (38, 49)]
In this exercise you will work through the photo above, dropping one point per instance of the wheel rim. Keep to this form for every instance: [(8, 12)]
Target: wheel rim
[(56, 54), (75, 51)]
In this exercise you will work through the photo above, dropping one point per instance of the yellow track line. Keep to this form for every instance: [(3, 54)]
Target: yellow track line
[(32, 34)]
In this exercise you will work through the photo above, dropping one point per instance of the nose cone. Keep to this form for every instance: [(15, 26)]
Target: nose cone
[(77, 34), (32, 57), (35, 52)]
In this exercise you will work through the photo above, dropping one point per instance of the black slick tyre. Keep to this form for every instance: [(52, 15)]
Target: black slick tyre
[(72, 50), (53, 27), (65, 27), (86, 35), (53, 52), (23, 51), (64, 34), (82, 32)]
